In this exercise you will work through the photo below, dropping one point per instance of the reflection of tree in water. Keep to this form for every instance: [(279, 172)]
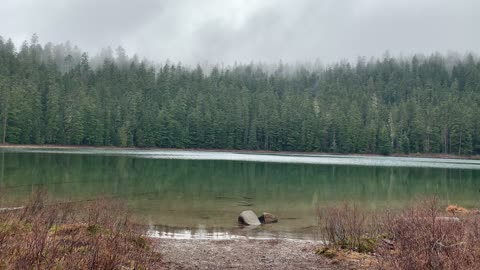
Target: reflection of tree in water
[(226, 185), (2, 165)]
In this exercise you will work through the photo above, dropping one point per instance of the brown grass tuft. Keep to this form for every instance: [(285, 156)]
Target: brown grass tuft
[(455, 209)]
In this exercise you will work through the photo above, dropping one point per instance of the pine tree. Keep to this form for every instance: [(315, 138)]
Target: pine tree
[(55, 94)]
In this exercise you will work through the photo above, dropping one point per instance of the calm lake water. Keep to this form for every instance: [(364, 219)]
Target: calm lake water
[(200, 194)]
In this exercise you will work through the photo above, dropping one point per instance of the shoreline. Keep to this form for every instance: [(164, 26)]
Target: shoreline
[(61, 146), (240, 253)]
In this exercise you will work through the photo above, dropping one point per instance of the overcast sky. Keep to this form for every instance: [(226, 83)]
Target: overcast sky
[(222, 31)]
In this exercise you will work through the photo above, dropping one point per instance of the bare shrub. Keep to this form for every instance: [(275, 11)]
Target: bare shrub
[(424, 239), (348, 227), (416, 238), (97, 235)]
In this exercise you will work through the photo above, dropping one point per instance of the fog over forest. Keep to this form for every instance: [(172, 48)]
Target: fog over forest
[(216, 32)]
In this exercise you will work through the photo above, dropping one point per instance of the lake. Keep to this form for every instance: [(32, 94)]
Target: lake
[(200, 193)]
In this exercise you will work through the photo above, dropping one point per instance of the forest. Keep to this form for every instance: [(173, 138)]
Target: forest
[(56, 94)]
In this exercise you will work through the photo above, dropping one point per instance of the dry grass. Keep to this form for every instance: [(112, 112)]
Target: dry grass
[(455, 210), (348, 259), (95, 235)]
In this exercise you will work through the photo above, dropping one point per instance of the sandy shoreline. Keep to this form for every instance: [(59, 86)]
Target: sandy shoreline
[(59, 146)]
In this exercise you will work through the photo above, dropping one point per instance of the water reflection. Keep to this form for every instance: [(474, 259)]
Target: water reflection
[(182, 194), (247, 232)]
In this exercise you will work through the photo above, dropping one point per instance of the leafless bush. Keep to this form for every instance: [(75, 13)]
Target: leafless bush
[(348, 226), (425, 239), (97, 235), (417, 238)]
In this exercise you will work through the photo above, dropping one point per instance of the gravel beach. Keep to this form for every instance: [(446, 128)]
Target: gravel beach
[(241, 254)]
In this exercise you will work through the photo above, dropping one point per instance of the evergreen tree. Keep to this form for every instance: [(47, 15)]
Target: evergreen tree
[(55, 94)]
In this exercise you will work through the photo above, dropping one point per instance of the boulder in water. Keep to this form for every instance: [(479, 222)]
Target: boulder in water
[(268, 218), (248, 217)]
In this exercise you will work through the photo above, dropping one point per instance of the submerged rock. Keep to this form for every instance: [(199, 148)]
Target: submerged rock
[(268, 218), (248, 217)]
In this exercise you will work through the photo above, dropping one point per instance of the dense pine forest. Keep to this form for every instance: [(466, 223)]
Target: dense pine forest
[(55, 94)]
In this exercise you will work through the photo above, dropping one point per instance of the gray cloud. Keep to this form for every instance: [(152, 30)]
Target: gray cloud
[(250, 30)]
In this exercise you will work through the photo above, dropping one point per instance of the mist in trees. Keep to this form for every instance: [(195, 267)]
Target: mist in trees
[(55, 94)]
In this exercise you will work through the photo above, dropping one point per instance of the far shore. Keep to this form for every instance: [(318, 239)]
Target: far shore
[(61, 146)]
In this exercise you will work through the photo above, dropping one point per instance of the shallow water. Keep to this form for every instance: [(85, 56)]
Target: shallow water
[(195, 194)]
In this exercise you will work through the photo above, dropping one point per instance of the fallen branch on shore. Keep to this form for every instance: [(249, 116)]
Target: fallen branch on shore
[(6, 209)]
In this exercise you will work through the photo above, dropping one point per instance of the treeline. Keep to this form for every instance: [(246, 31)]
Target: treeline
[(52, 95)]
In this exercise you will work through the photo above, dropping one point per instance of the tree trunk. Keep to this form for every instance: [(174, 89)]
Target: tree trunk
[(266, 142), (460, 145), (445, 145), (5, 118)]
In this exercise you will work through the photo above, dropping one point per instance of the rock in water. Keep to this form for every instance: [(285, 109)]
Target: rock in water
[(249, 218), (268, 218)]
